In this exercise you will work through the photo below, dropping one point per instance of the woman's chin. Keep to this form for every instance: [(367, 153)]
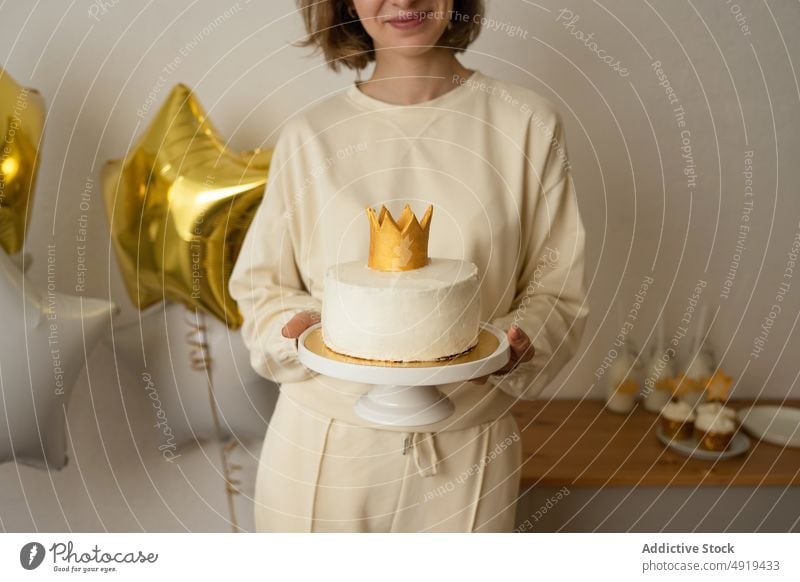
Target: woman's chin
[(410, 48)]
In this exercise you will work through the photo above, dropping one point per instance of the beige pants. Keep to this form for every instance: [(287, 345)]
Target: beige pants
[(318, 474)]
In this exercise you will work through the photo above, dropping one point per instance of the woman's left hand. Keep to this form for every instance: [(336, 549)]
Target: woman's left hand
[(521, 351)]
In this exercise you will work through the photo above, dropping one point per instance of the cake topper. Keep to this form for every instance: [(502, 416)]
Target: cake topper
[(400, 245)]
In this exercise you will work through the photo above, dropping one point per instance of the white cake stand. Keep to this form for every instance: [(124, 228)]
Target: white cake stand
[(405, 393)]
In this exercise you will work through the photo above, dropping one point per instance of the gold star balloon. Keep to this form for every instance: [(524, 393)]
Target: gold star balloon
[(179, 206), (21, 124)]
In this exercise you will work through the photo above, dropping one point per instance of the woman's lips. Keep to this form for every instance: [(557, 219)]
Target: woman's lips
[(407, 22)]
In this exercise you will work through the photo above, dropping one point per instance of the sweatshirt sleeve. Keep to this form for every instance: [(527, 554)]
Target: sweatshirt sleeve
[(550, 297), (266, 282)]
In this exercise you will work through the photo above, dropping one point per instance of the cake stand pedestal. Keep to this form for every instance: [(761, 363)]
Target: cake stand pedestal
[(405, 393)]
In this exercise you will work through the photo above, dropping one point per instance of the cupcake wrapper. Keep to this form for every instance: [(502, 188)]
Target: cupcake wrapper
[(713, 441), (676, 429)]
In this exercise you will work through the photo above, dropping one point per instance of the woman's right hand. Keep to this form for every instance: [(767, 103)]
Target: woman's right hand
[(299, 323)]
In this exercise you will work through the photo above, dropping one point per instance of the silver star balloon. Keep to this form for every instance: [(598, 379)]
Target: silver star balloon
[(196, 374), (46, 337)]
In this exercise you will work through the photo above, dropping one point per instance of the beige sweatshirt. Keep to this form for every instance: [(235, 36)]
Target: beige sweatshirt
[(491, 158)]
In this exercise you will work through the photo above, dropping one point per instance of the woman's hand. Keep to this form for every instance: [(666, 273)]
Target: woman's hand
[(521, 351), (299, 323)]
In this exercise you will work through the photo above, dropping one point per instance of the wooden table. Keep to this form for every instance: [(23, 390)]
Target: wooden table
[(580, 443)]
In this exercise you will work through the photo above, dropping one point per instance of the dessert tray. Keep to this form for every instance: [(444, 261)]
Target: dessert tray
[(405, 393), (691, 447), (777, 425)]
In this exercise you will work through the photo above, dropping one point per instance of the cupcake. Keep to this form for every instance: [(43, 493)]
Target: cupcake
[(715, 409), (714, 431), (677, 420)]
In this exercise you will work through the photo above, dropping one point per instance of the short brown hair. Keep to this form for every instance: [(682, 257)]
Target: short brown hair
[(344, 41)]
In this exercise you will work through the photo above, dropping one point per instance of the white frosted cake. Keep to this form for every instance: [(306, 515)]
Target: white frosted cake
[(414, 309), (429, 313)]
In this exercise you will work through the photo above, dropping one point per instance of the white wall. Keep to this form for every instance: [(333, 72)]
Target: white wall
[(738, 88)]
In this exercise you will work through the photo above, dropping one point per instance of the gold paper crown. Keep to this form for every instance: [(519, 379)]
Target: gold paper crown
[(400, 245)]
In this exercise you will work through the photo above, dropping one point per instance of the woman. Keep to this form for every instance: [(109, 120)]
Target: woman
[(490, 156)]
